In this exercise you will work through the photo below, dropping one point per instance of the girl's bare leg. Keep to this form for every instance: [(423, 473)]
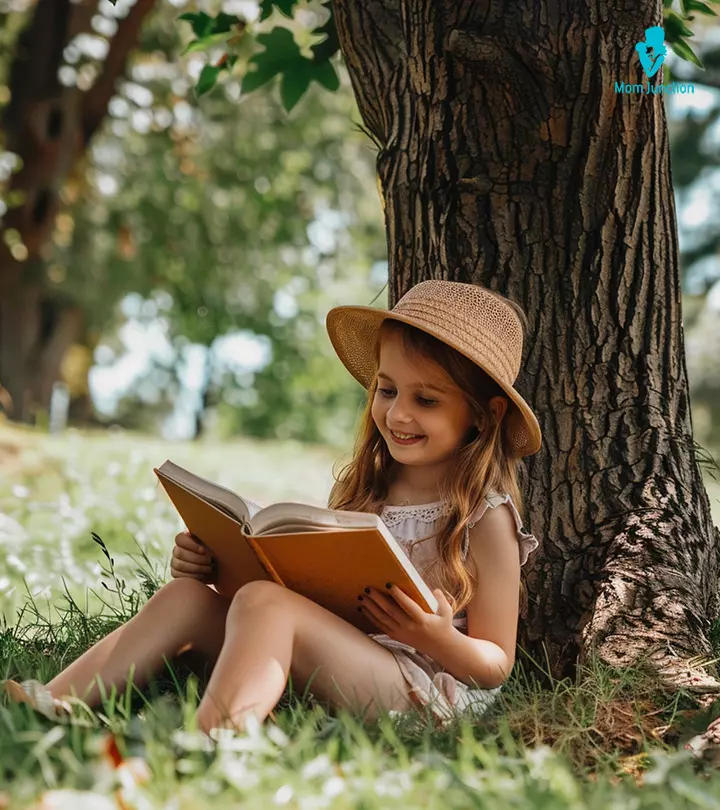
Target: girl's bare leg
[(271, 633), (182, 615)]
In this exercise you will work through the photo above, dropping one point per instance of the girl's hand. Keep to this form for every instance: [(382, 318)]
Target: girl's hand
[(191, 559), (399, 617)]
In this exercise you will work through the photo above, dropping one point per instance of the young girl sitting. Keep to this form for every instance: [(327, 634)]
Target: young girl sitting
[(436, 456)]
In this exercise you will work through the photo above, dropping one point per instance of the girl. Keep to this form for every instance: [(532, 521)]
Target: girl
[(436, 456)]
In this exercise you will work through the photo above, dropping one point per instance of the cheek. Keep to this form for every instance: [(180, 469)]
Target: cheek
[(377, 410)]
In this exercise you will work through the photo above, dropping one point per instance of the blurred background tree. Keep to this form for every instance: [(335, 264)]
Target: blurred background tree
[(235, 228), (695, 151)]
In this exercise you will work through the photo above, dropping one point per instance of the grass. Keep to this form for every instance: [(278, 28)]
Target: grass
[(83, 509)]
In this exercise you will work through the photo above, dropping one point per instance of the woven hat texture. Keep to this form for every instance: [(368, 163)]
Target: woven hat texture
[(467, 317)]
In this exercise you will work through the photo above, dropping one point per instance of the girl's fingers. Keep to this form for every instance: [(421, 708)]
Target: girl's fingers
[(190, 556), (408, 605), (190, 568), (186, 541), (386, 601), (377, 617), (383, 608)]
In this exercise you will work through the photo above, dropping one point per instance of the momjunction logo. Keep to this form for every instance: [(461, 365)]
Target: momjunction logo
[(652, 52)]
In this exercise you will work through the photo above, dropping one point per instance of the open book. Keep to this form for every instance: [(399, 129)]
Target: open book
[(329, 556)]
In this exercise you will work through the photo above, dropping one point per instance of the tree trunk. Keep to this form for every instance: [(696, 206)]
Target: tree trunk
[(507, 159), (49, 126)]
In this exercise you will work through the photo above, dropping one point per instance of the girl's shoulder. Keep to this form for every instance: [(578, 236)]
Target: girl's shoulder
[(527, 542)]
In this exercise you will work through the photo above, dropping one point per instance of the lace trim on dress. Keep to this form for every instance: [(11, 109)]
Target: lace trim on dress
[(429, 513), (423, 512)]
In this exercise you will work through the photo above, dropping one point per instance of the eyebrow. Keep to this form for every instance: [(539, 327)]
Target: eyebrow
[(424, 386)]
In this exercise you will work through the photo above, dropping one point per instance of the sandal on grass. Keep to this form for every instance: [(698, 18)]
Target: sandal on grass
[(38, 697)]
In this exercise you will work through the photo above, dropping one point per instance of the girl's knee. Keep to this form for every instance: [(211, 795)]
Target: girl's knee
[(181, 591), (257, 593)]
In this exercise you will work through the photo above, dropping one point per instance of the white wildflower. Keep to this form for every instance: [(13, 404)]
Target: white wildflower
[(284, 794), (277, 735), (237, 773), (11, 529), (15, 562), (334, 786), (67, 799), (320, 766), (192, 741)]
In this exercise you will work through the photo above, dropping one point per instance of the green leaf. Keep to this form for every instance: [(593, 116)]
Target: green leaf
[(326, 75), (281, 54), (284, 6), (204, 43), (294, 84), (700, 7), (208, 77), (200, 22), (224, 23), (684, 51), (675, 27), (208, 29)]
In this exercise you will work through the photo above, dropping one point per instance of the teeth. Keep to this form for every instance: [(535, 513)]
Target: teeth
[(405, 435)]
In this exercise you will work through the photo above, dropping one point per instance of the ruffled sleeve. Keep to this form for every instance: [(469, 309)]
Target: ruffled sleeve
[(527, 542)]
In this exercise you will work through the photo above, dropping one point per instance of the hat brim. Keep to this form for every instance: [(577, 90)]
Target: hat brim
[(353, 332)]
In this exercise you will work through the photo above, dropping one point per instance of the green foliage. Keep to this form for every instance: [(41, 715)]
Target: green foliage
[(280, 55), (677, 32), (223, 29), (284, 7), (209, 218), (695, 155)]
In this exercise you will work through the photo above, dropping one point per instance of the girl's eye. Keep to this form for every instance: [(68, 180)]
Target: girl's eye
[(389, 392)]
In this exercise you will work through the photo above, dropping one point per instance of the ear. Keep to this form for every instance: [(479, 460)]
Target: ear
[(498, 405)]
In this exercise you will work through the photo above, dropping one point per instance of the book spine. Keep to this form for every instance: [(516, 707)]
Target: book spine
[(266, 564)]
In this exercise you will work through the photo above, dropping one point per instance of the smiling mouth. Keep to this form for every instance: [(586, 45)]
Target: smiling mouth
[(406, 436)]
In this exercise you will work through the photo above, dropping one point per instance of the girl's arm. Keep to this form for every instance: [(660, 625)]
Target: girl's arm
[(485, 656)]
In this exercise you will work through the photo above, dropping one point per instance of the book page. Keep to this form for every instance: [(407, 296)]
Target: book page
[(278, 515), (226, 500)]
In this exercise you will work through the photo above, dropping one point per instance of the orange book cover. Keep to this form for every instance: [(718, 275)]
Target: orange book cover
[(330, 564)]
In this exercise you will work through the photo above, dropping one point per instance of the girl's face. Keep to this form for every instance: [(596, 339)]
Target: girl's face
[(418, 401)]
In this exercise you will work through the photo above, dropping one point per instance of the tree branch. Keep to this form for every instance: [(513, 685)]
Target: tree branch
[(372, 43), (33, 74), (95, 101)]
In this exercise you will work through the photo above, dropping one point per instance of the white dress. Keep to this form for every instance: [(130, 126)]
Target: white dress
[(430, 686)]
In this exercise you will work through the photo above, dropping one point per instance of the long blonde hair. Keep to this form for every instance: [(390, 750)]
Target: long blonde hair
[(482, 463)]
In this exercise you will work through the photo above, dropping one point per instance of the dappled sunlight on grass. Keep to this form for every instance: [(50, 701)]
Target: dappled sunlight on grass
[(89, 533), (55, 491)]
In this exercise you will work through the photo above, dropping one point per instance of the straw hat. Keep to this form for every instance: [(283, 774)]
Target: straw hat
[(465, 316)]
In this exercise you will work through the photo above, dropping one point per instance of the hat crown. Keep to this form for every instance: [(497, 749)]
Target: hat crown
[(470, 318)]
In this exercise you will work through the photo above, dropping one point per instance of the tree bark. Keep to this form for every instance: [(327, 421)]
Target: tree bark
[(507, 159), (49, 126)]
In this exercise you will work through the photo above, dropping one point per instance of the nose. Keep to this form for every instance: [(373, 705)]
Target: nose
[(399, 412)]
